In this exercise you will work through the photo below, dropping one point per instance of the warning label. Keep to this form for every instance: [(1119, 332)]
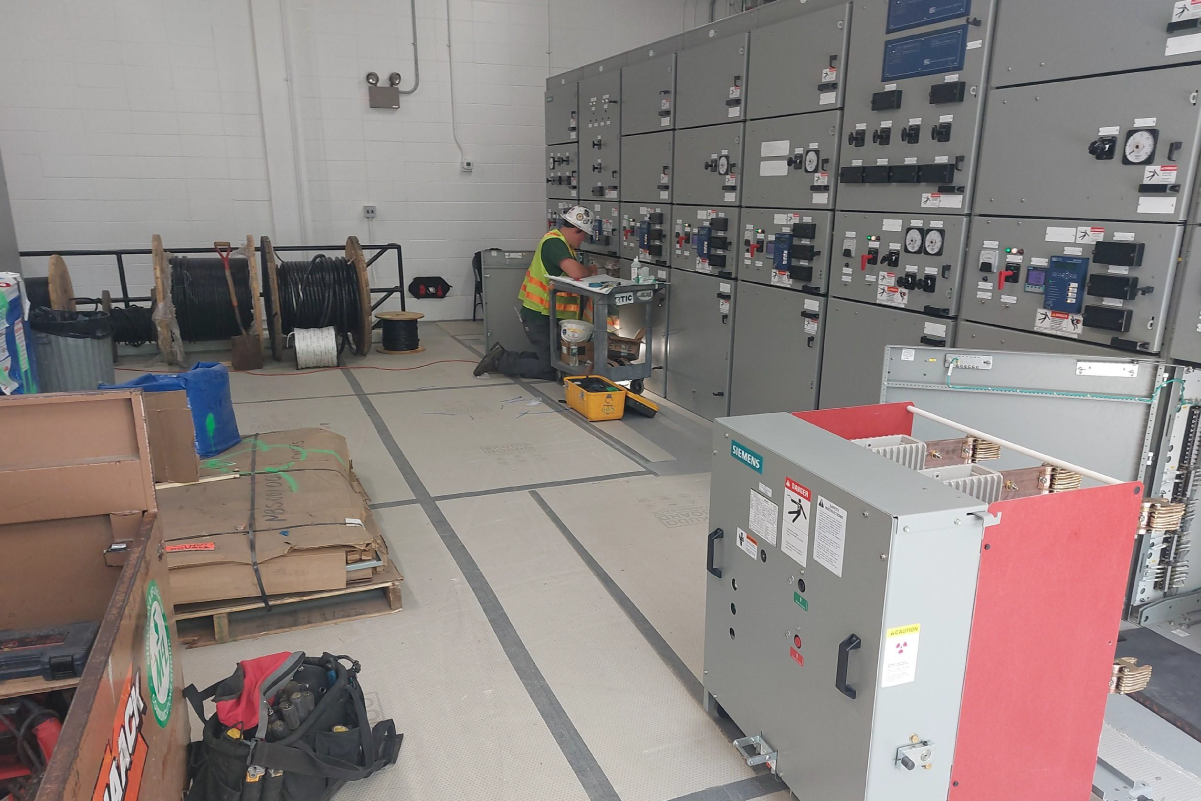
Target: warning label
[(794, 530), (830, 535), (900, 655), (888, 293), (1060, 324), (748, 543), (190, 546), (764, 514)]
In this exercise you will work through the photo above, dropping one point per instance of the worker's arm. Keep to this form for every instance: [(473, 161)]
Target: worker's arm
[(575, 269)]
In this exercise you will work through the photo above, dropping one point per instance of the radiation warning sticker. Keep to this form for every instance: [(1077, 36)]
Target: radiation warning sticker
[(900, 655)]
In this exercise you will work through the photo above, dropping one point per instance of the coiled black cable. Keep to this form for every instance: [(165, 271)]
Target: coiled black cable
[(399, 335), (133, 325), (38, 290), (201, 297), (321, 292)]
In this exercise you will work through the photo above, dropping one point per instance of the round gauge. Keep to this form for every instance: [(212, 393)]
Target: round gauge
[(811, 159), (934, 241), (723, 165), (1140, 146), (913, 240)]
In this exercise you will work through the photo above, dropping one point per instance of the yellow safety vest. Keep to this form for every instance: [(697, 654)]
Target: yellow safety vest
[(535, 289)]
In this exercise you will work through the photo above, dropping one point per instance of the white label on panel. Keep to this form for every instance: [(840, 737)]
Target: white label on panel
[(951, 202), (984, 285), (886, 123), (1055, 234), (1109, 130), (810, 326), (891, 295), (991, 244), (764, 516), (812, 305), (730, 197), (881, 162), (1009, 299), (975, 44), (813, 146), (1060, 324), (829, 74), (664, 122), (1123, 236), (827, 98), (662, 275), (774, 148), (907, 354), (856, 162), (915, 121), (850, 234), (779, 219), (748, 544), (916, 223), (984, 295), (723, 287), (888, 87), (830, 537), (892, 225), (935, 329), (773, 168), (1038, 262), (1111, 302), (1089, 235), (734, 111), (911, 159), (947, 118), (1073, 251), (664, 195), (1157, 205), (821, 198), (942, 159), (1108, 369), (861, 126), (951, 78), (1185, 9), (1145, 122)]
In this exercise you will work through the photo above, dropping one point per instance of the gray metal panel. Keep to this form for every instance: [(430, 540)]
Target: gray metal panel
[(1185, 338), (769, 177), (672, 44), (836, 748), (554, 211), (856, 337), (706, 81), (633, 317), (503, 272), (868, 38), (1040, 136), (648, 94), (851, 277), (1037, 41), (600, 134), (647, 167), (793, 63), (562, 112), (687, 222), (1096, 432), (606, 236), (699, 340), (760, 225), (562, 171), (777, 350), (987, 337), (9, 260), (698, 151), (1010, 305), (632, 215)]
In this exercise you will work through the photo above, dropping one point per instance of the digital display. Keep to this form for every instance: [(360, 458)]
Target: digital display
[(1036, 277), (905, 14), (1064, 290), (925, 54)]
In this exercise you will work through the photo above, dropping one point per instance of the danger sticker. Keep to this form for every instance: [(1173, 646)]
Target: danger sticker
[(1160, 174), (190, 546), (1060, 324), (748, 544), (794, 529), (900, 655)]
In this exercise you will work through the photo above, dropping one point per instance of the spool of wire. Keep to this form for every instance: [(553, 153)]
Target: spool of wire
[(133, 325), (38, 290), (315, 347), (201, 295), (399, 332), (320, 293)]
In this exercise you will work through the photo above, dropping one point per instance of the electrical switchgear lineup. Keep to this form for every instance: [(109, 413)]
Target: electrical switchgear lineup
[(916, 168)]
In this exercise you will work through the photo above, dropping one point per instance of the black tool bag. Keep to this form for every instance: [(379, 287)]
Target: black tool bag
[(315, 759)]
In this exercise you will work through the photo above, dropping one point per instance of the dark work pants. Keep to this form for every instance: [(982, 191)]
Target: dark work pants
[(531, 363)]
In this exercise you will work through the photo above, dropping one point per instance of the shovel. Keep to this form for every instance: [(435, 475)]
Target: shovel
[(247, 348)]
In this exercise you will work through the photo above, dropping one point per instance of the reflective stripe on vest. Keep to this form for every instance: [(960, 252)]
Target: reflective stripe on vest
[(535, 289)]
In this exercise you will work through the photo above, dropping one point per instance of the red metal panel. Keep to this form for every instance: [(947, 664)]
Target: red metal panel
[(1048, 601), (857, 422)]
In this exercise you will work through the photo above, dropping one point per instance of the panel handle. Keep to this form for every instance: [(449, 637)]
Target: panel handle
[(714, 536), (845, 647)]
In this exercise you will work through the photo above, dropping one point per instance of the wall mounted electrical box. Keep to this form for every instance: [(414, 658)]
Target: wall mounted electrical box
[(786, 248), (562, 171), (709, 165), (706, 240), (777, 350), (711, 81), (648, 162), (646, 233), (605, 239), (792, 161), (648, 92), (797, 65), (562, 111)]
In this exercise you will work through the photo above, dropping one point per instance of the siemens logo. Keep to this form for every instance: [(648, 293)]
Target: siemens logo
[(747, 456)]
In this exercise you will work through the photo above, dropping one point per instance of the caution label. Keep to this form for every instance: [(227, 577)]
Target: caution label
[(900, 655), (830, 537), (748, 544), (190, 546)]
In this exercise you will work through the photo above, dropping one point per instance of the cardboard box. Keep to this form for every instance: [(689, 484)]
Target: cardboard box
[(289, 494), (628, 348), (577, 355), (172, 437)]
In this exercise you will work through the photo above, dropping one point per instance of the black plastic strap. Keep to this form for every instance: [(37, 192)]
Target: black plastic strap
[(254, 556), (197, 697)]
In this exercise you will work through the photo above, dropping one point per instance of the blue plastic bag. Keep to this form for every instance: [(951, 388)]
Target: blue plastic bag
[(207, 385)]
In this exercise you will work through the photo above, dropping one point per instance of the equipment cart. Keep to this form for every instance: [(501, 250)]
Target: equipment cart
[(606, 293)]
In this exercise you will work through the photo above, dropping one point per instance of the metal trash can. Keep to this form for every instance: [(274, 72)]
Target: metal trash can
[(74, 350)]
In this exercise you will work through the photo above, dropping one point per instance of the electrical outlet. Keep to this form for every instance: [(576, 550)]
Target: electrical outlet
[(467, 165), (369, 212)]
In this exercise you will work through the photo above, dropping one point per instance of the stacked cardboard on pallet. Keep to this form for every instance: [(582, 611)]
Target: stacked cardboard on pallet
[(285, 506)]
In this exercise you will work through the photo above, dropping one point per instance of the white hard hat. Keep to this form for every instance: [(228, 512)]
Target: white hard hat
[(580, 217)]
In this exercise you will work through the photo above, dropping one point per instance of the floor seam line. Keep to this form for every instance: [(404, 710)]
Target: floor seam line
[(657, 642), (741, 790), (571, 743), (566, 482)]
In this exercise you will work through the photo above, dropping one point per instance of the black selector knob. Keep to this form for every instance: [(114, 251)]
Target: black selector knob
[(1103, 148)]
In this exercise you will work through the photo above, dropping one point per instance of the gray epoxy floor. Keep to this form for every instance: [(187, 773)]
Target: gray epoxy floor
[(544, 651)]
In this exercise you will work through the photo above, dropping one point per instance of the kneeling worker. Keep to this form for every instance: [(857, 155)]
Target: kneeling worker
[(555, 255)]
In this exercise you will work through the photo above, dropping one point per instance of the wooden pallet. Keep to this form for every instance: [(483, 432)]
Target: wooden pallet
[(32, 685), (227, 621)]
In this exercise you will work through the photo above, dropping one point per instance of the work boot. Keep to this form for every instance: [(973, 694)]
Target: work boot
[(490, 361)]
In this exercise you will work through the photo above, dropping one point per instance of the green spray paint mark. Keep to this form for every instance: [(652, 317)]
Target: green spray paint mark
[(800, 601), (210, 426)]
